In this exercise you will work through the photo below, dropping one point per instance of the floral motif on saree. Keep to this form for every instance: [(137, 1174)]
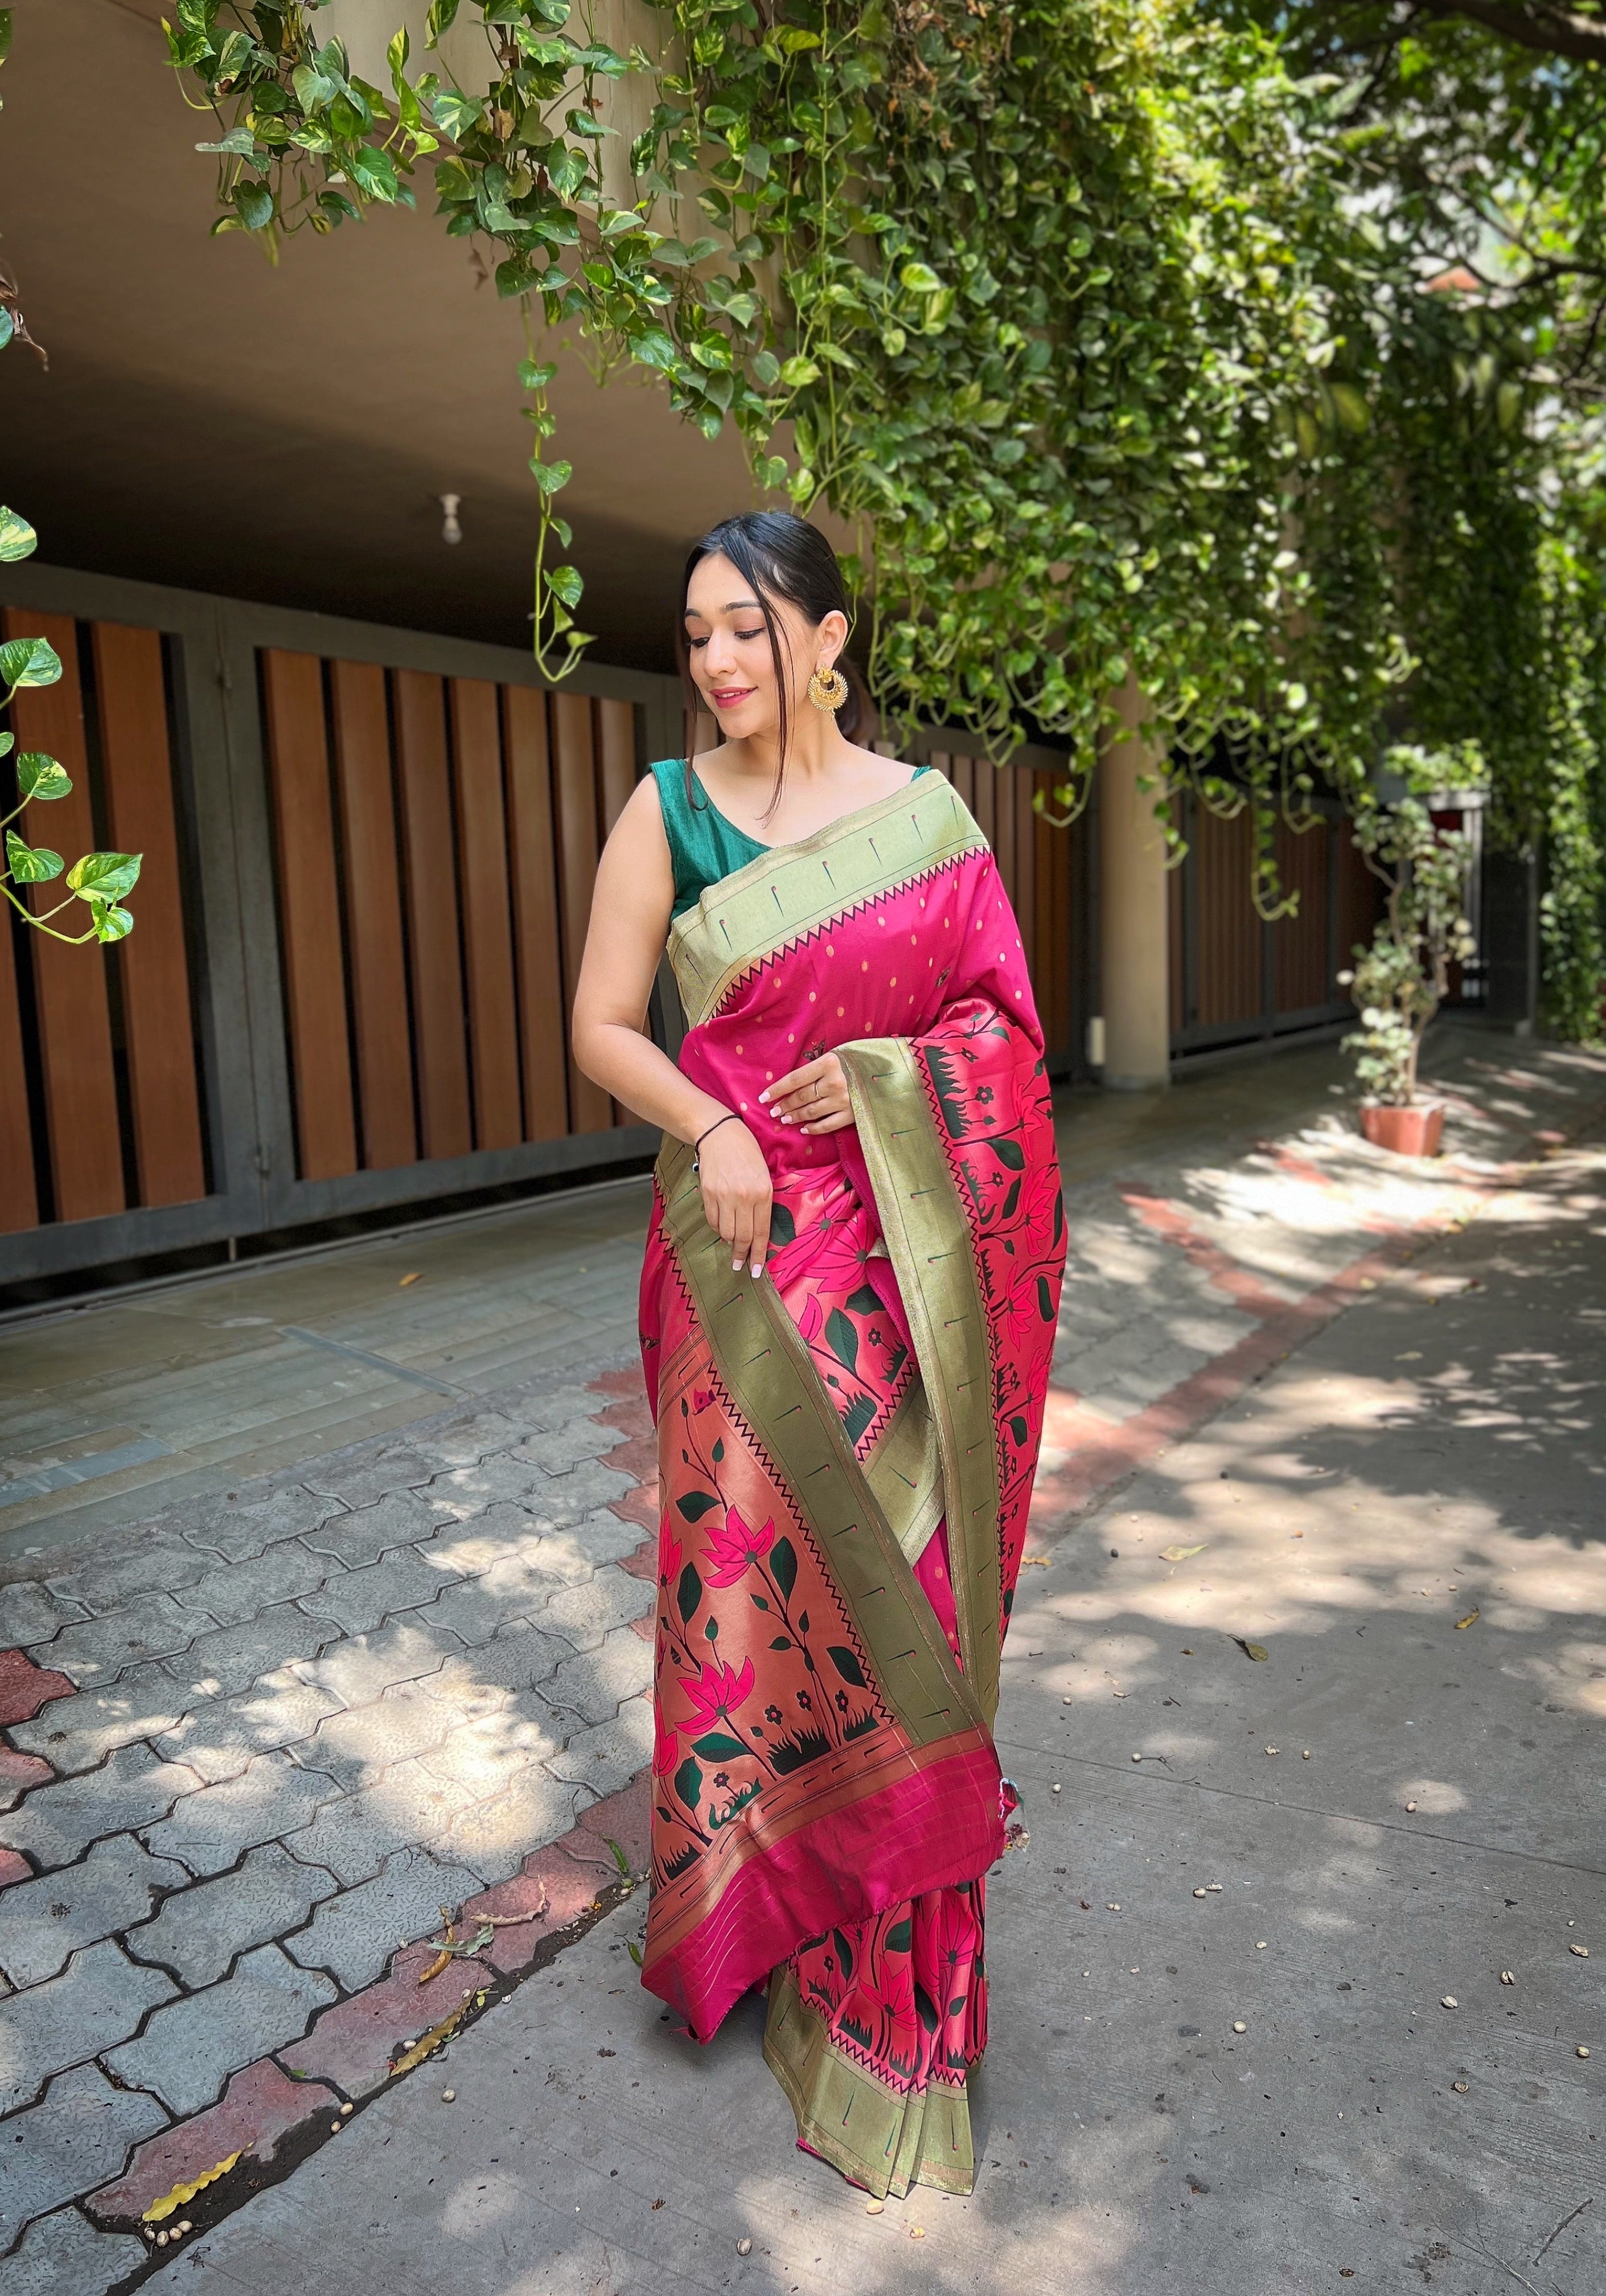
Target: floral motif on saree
[(847, 1450)]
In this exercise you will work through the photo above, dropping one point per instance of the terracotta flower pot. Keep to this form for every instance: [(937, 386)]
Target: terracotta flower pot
[(1413, 1131)]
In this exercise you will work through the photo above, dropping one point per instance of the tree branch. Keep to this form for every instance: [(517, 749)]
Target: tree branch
[(1552, 32)]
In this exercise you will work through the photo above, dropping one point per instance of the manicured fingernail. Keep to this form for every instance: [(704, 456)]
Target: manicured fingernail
[(764, 1099), (735, 1265), (786, 1119), (758, 1269)]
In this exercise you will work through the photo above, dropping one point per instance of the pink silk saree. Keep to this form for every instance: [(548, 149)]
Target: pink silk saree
[(846, 1450)]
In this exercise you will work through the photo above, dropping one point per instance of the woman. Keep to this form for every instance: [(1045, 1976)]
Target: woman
[(847, 1310)]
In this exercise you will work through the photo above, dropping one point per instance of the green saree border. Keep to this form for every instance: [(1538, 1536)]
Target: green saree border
[(904, 1469), (882, 2140), (791, 890), (929, 1240), (765, 1366)]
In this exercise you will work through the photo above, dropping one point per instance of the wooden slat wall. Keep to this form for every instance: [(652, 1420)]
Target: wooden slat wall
[(1035, 861), (71, 998), (487, 914), (99, 1044), (18, 1193), (471, 820), (309, 908), (1228, 933), (574, 746), (431, 880), (533, 862), (378, 971), (153, 964), (1299, 942)]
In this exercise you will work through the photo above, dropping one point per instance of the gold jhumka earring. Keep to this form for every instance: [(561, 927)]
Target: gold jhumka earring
[(827, 689)]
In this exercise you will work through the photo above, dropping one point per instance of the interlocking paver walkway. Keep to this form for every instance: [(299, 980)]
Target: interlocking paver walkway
[(255, 1742)]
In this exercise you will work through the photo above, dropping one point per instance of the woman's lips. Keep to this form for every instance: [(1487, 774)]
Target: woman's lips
[(729, 700)]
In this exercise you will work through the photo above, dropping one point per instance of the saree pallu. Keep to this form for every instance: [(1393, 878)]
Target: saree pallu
[(846, 1447)]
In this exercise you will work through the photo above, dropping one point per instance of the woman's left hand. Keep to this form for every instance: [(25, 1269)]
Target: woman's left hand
[(813, 1097)]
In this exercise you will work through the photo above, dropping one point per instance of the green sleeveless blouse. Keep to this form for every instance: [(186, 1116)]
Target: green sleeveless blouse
[(704, 846)]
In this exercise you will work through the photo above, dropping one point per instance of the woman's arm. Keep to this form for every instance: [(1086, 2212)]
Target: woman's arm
[(624, 942)]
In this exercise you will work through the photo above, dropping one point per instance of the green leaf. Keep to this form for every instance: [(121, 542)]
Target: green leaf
[(110, 923), (866, 1301), (5, 42), (39, 776), (536, 374), (239, 141), (797, 372), (104, 876), (550, 476), (31, 865), (564, 582), (28, 661), (920, 279), (901, 1937), (696, 1504), (8, 327), (1009, 1153), (456, 114), (842, 1340), (17, 538), (688, 1594), (254, 205), (783, 1566), (847, 1665), (441, 16), (718, 1746), (374, 174), (782, 1226), (688, 1783)]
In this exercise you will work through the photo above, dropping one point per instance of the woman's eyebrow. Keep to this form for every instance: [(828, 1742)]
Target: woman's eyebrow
[(735, 606)]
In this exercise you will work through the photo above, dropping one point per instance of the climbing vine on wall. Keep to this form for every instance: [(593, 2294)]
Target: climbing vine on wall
[(1063, 305)]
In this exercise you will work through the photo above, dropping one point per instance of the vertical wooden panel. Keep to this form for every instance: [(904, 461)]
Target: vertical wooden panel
[(487, 936), (440, 1043), (616, 747), (577, 860), (533, 863), (983, 781), (374, 917), (136, 754), (962, 773), (1026, 876), (1228, 934), (18, 1194), (1177, 893), (314, 968), (1360, 900), (1299, 942), (69, 984), (1003, 827)]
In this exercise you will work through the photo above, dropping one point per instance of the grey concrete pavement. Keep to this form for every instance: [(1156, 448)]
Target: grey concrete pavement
[(1395, 1808)]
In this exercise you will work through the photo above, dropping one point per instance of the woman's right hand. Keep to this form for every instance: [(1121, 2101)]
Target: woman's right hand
[(735, 1184)]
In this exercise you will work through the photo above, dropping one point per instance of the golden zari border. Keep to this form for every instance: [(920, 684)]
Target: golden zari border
[(883, 2141), (774, 900), (928, 1241)]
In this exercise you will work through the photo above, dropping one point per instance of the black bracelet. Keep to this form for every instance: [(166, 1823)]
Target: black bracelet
[(730, 1117)]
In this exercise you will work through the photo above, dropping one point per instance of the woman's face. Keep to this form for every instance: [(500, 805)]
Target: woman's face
[(729, 650)]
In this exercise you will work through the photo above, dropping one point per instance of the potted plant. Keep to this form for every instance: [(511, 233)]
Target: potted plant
[(1400, 981)]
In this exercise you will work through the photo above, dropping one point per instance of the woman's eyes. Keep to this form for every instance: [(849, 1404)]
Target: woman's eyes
[(696, 645)]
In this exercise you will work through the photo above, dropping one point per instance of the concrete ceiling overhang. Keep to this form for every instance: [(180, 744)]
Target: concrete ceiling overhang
[(212, 422)]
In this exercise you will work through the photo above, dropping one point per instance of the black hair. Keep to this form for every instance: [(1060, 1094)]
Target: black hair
[(779, 555)]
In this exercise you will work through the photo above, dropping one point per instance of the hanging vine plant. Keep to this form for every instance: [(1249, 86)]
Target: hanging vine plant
[(1034, 293), (1066, 305)]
